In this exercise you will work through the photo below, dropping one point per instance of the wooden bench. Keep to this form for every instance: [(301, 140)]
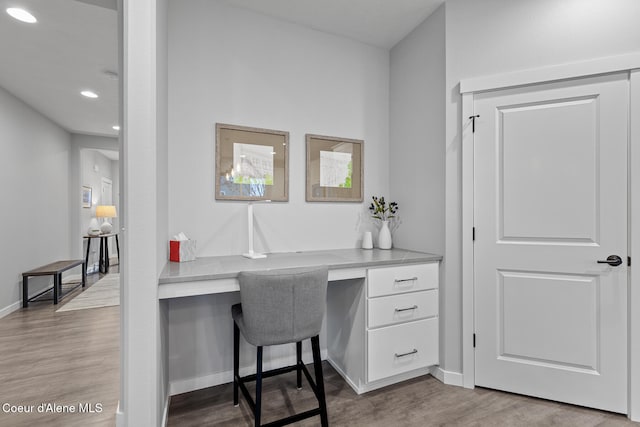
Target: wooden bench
[(54, 269)]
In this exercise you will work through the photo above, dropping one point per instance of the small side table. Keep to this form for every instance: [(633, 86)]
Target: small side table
[(104, 250)]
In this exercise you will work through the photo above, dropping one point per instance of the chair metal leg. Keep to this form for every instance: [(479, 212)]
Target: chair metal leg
[(256, 413), (317, 364), (299, 364), (236, 362)]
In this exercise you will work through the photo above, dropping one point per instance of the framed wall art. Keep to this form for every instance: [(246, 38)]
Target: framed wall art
[(251, 163), (86, 196), (334, 169)]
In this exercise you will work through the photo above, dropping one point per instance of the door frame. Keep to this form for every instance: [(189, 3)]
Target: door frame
[(624, 63)]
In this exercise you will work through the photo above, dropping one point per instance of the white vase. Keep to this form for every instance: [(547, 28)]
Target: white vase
[(384, 236), (94, 227)]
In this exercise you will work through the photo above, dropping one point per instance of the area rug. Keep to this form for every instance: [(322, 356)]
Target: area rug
[(104, 293)]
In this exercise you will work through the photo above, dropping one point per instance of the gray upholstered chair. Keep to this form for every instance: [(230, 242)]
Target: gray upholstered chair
[(278, 307)]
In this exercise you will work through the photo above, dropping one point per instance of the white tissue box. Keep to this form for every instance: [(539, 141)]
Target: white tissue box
[(182, 250)]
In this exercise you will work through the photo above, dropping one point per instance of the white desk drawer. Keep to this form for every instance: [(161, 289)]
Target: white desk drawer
[(402, 348), (402, 308), (405, 278)]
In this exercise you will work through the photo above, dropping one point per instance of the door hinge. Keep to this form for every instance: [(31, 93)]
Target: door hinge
[(474, 340), (628, 261), (473, 234), (473, 122)]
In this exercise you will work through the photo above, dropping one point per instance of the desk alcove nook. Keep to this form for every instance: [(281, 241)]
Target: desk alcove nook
[(381, 325)]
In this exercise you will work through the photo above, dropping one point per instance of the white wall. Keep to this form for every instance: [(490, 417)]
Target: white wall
[(232, 66), (90, 177), (81, 173), (495, 36), (417, 132), (228, 65), (34, 171), (144, 177)]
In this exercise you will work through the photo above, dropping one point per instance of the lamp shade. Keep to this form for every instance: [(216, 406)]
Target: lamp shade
[(106, 211)]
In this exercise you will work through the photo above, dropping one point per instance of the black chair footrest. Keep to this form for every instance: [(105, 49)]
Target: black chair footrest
[(316, 382), (271, 373), (294, 418)]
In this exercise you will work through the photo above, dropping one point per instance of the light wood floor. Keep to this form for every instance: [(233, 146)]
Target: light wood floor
[(72, 357), (69, 358)]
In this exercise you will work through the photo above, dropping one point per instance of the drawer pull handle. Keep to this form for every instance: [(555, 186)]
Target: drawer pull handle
[(405, 280), (414, 351), (406, 309)]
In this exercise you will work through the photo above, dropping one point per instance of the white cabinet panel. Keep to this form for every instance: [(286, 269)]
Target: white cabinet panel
[(406, 278), (402, 322), (401, 348), (402, 308)]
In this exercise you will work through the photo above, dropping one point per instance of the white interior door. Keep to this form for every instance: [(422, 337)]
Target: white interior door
[(107, 192), (550, 201)]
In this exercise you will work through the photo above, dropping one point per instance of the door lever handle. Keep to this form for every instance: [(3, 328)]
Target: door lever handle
[(612, 260)]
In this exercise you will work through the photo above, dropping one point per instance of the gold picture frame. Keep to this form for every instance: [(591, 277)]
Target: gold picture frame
[(251, 163), (335, 171)]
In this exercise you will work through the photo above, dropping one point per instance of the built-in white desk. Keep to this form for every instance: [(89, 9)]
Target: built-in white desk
[(381, 325)]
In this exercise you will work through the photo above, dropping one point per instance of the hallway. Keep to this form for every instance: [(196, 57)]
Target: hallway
[(70, 359)]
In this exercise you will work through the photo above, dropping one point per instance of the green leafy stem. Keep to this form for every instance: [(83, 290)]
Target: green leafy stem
[(381, 210)]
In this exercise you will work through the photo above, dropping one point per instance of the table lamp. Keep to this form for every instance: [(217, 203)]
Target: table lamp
[(251, 254), (106, 211)]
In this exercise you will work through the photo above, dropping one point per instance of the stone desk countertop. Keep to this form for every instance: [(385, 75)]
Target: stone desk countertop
[(228, 267)]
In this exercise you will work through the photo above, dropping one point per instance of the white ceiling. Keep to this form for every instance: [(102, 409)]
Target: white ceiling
[(75, 42), (48, 63), (380, 23)]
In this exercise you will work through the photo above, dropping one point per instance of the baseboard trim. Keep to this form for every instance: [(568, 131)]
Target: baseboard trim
[(218, 378), (448, 377), (165, 412), (344, 376), (374, 385), (192, 384), (224, 377), (18, 304), (10, 309), (119, 416), (163, 422)]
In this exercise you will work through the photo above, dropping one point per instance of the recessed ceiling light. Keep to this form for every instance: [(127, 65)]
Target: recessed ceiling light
[(21, 15), (89, 94), (115, 127)]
